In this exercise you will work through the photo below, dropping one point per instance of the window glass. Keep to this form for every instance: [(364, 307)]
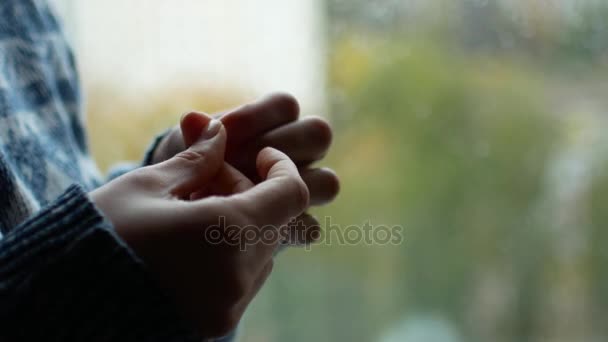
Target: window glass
[(468, 137)]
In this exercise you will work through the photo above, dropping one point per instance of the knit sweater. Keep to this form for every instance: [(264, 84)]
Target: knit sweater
[(65, 275)]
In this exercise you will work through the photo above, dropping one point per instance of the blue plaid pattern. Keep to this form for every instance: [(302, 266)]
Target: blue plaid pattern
[(42, 141)]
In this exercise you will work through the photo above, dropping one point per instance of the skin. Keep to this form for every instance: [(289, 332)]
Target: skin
[(163, 211), (272, 121)]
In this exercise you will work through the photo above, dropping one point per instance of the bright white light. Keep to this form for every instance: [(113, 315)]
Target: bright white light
[(258, 46)]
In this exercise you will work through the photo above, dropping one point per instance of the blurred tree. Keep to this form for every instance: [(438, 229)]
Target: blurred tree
[(470, 148)]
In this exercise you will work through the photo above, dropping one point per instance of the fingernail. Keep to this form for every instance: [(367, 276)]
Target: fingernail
[(213, 128)]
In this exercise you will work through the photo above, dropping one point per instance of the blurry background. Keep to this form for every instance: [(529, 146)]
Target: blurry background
[(474, 124)]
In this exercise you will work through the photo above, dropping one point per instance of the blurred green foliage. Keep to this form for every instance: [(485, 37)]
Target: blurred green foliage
[(455, 150)]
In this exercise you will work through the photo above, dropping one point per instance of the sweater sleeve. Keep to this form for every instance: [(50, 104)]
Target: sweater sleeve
[(66, 276)]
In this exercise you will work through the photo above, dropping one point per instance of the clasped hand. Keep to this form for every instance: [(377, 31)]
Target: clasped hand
[(214, 173)]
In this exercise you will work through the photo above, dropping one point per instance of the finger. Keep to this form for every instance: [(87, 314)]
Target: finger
[(281, 196), (191, 125), (194, 168), (304, 141), (302, 231), (181, 136), (257, 118), (323, 185)]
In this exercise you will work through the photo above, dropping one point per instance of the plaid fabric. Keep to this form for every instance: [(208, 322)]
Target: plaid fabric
[(64, 273)]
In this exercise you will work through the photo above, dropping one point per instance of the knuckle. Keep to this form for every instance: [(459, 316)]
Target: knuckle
[(146, 178), (192, 157), (300, 192), (244, 110), (186, 114)]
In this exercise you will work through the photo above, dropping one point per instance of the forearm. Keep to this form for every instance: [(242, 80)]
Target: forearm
[(66, 276)]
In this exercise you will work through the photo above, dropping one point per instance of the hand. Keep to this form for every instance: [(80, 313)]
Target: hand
[(212, 283), (269, 122)]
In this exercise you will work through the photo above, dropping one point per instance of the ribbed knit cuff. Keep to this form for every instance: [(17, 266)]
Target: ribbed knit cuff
[(66, 276)]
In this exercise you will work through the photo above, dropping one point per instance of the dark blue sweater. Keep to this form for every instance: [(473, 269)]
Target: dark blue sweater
[(64, 273)]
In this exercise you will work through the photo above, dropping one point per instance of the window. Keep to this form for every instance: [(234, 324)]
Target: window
[(468, 132)]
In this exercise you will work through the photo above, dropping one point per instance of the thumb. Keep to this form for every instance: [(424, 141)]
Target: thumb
[(192, 125), (283, 194), (193, 169)]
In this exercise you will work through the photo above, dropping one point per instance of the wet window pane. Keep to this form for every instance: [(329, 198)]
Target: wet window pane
[(468, 135)]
